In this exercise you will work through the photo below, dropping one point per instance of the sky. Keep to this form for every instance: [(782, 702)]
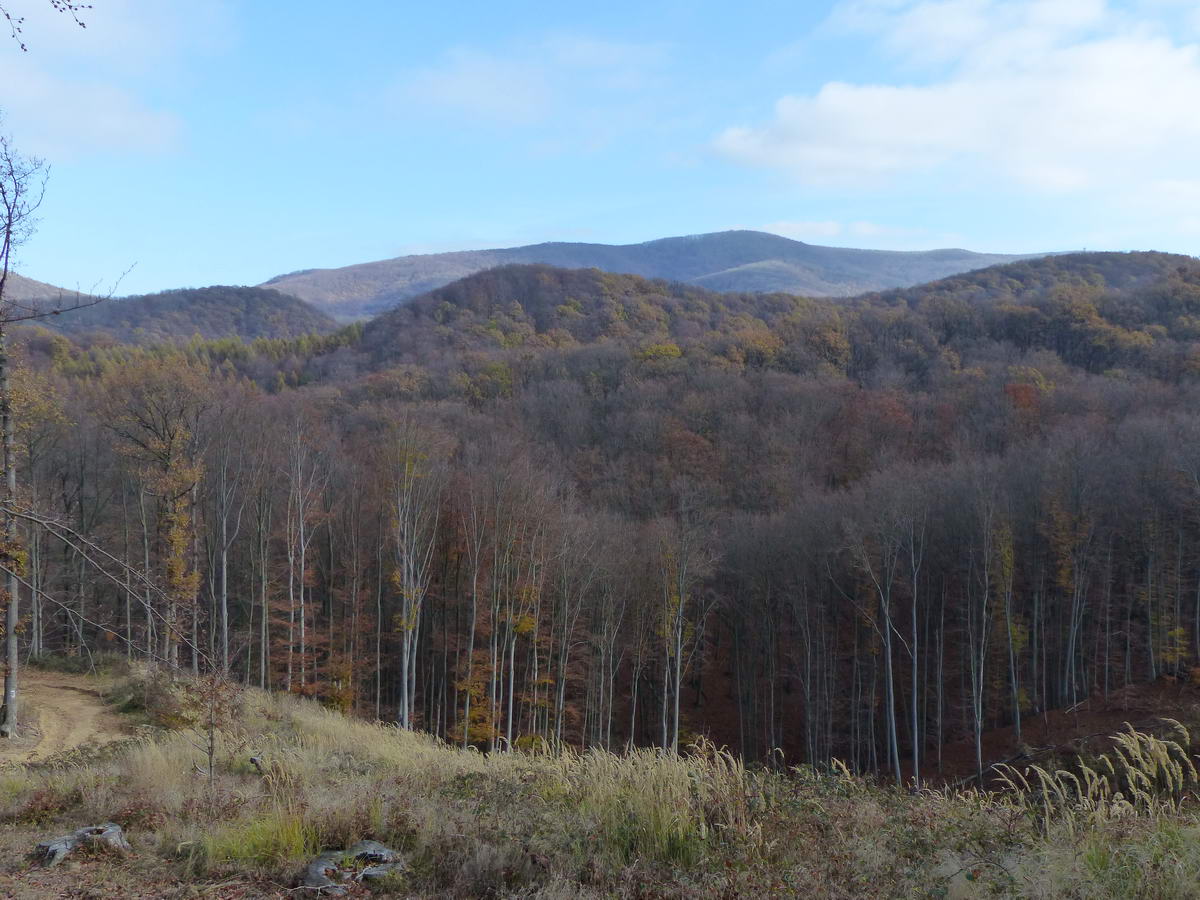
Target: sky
[(228, 141)]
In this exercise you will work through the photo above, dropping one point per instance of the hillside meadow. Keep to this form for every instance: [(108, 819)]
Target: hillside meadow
[(555, 822)]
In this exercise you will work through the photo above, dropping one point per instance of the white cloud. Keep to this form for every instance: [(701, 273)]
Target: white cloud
[(858, 233), (804, 231), (482, 84), (59, 118), (123, 34), (1174, 199), (80, 90), (581, 51), (1056, 95), (557, 76)]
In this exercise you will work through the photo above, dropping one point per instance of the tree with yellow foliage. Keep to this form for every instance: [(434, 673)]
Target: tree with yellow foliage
[(154, 412)]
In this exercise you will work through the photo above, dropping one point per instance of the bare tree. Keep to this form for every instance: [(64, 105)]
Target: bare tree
[(417, 481), (685, 556), (22, 187)]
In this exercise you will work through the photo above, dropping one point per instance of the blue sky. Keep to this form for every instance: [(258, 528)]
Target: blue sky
[(226, 141)]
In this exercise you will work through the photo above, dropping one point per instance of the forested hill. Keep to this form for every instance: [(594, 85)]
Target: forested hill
[(248, 313), (1097, 311), (1162, 282), (535, 306), (725, 261), (544, 504)]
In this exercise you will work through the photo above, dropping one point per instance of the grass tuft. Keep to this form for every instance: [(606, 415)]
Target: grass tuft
[(268, 841)]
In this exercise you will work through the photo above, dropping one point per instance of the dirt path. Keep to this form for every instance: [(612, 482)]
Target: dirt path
[(62, 712)]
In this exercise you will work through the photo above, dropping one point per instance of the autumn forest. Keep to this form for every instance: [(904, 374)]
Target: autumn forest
[(570, 506)]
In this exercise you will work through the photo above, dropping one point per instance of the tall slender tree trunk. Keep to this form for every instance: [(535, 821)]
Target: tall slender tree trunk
[(128, 576), (146, 599), (264, 649), (379, 624), (466, 740), (224, 564), (12, 616)]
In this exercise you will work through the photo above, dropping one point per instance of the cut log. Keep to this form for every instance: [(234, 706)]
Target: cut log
[(108, 837)]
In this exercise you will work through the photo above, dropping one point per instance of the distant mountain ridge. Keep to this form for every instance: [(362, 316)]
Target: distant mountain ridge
[(722, 261)]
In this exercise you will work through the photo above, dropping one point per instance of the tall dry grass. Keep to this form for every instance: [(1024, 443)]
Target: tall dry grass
[(556, 822), (1142, 775)]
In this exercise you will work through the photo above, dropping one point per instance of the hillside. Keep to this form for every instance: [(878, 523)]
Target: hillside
[(20, 288), (602, 469), (1095, 310), (213, 312), (1102, 277), (540, 305), (461, 824), (725, 261)]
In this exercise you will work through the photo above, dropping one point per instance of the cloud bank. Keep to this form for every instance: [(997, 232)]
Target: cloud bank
[(1055, 96)]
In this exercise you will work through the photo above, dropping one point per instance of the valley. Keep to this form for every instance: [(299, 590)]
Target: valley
[(905, 538), (569, 451), (621, 511)]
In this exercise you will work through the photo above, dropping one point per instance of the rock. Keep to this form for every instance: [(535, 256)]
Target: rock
[(108, 836)]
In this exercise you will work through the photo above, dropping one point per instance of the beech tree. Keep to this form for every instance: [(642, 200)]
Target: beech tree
[(154, 414), (417, 476)]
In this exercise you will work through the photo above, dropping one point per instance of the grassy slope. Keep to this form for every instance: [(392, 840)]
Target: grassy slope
[(545, 825)]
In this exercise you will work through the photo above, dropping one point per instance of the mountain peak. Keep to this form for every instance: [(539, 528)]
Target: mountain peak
[(735, 260)]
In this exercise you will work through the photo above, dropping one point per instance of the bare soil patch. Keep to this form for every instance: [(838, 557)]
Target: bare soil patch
[(61, 711)]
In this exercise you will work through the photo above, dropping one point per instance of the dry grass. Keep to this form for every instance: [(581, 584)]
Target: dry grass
[(1142, 776), (595, 824)]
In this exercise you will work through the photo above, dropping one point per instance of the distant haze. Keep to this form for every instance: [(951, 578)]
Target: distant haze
[(722, 261)]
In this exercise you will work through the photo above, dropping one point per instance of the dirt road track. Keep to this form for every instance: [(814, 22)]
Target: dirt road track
[(62, 712)]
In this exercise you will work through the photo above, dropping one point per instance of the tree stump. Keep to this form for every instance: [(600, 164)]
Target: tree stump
[(329, 872), (108, 837), (372, 852), (322, 871)]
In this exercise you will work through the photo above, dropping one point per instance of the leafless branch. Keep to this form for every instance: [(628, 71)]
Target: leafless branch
[(16, 24)]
